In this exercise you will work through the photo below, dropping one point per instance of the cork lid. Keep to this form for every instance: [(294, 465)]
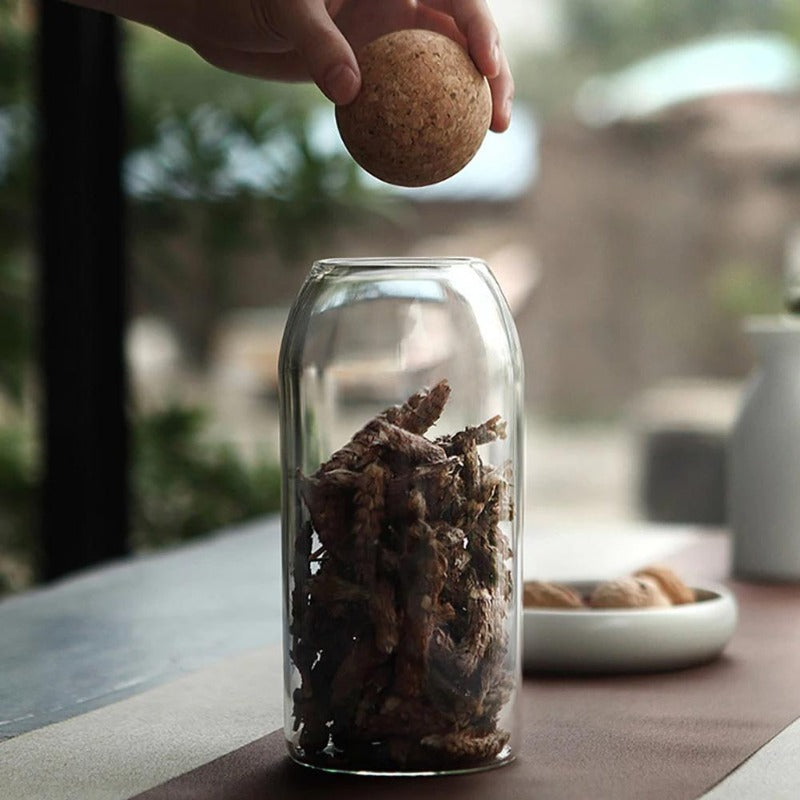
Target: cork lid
[(422, 112)]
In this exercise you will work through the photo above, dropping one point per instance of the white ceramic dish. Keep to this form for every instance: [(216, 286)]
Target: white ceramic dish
[(628, 640)]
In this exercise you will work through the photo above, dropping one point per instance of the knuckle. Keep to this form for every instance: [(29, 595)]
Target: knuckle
[(268, 17)]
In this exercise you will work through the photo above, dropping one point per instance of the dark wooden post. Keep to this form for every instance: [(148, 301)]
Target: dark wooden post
[(82, 290)]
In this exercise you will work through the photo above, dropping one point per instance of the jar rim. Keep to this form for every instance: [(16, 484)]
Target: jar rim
[(380, 262)]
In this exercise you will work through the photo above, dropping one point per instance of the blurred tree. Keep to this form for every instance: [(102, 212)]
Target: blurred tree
[(16, 187), (620, 31), (18, 470), (218, 184), (740, 289), (605, 35), (222, 165), (18, 487), (186, 486), (14, 322), (790, 23)]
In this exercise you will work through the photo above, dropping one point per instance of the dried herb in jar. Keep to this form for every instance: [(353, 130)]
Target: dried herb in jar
[(402, 595)]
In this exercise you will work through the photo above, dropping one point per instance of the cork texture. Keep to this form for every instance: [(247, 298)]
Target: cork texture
[(422, 112)]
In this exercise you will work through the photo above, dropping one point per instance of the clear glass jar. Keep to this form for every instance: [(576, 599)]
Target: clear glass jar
[(402, 453)]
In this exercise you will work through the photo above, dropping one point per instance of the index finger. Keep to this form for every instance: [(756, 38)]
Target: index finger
[(474, 20)]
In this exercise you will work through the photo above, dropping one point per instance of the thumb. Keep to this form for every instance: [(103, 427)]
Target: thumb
[(323, 48)]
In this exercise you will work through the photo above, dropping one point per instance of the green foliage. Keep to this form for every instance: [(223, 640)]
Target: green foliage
[(790, 20), (219, 184), (740, 289), (17, 487), (185, 487), (182, 485), (222, 166), (259, 162), (623, 30), (14, 325), (606, 35), (16, 202), (18, 490), (15, 55)]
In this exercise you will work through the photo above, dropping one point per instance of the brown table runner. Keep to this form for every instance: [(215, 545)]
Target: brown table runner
[(669, 735)]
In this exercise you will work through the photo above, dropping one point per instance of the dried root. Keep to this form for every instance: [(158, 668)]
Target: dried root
[(401, 597)]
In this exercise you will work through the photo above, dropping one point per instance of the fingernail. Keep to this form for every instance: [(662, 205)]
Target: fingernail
[(507, 106), (341, 84)]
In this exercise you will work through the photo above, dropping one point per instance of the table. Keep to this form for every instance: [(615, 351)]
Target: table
[(161, 677)]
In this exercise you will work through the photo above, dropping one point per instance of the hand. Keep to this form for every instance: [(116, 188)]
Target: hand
[(301, 39)]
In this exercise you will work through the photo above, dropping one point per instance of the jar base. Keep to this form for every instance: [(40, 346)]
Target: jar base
[(504, 757)]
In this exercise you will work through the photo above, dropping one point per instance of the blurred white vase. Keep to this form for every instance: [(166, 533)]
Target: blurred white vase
[(764, 457)]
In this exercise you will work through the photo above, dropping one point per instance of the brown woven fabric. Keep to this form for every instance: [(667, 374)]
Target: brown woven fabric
[(669, 735)]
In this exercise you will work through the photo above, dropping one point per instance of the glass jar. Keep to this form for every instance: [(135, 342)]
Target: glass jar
[(402, 455)]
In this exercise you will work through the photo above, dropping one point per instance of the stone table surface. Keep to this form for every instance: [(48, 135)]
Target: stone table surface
[(110, 632)]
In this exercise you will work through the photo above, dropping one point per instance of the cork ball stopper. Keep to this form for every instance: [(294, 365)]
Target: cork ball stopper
[(422, 111)]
